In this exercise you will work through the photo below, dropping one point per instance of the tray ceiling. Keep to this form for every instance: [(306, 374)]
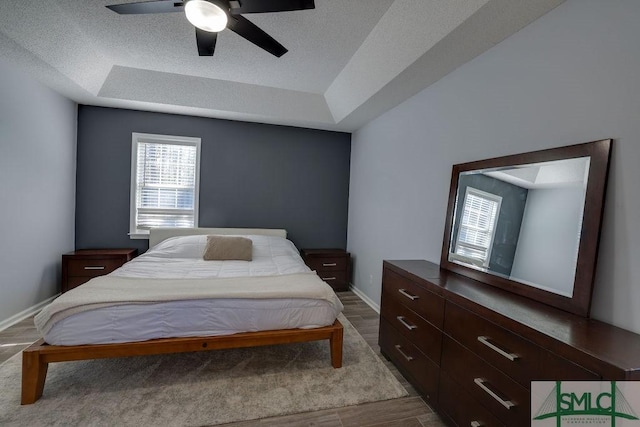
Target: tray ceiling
[(348, 61)]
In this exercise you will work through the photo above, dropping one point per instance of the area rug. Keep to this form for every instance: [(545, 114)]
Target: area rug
[(197, 389)]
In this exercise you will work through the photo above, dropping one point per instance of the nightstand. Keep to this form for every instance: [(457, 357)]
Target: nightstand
[(82, 265), (332, 265)]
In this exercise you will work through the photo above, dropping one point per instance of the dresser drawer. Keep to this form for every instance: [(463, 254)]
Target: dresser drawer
[(427, 304), (411, 362), (503, 397), (417, 330), (517, 357), (327, 263), (554, 368), (93, 267), (463, 409)]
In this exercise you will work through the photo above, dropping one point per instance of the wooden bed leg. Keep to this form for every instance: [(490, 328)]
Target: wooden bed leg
[(34, 373), (336, 347)]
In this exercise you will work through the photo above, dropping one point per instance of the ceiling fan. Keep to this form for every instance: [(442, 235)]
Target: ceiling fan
[(212, 16)]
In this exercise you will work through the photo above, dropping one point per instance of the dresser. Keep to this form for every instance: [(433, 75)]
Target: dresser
[(472, 350), (332, 265), (82, 265)]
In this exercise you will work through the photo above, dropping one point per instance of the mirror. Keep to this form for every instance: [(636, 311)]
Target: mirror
[(530, 223)]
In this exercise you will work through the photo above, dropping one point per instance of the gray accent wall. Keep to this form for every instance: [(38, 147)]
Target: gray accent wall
[(37, 194), (569, 77), (251, 175)]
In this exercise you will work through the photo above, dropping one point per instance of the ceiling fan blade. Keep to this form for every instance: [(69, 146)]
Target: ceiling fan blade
[(250, 31), (261, 6), (158, 6), (206, 42)]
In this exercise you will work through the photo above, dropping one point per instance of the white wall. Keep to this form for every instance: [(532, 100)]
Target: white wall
[(571, 76), (548, 244), (37, 189)]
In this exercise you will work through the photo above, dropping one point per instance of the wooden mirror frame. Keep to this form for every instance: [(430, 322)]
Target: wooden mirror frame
[(580, 303)]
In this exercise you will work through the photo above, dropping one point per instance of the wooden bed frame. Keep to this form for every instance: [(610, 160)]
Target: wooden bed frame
[(36, 358)]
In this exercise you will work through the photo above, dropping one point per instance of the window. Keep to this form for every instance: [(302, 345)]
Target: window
[(165, 175), (477, 226)]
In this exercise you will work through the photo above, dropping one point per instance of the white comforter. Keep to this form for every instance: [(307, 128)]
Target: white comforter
[(180, 258)]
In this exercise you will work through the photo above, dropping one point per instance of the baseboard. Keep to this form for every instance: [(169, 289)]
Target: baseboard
[(366, 299), (25, 313)]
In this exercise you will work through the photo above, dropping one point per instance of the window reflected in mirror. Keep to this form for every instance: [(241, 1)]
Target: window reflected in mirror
[(477, 227), (522, 223)]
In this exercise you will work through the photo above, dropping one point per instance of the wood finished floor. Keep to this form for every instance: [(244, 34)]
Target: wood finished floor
[(410, 411)]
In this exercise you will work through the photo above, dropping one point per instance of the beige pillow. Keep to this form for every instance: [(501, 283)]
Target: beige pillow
[(220, 248)]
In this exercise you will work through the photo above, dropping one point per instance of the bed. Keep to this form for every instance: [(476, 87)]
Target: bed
[(170, 300)]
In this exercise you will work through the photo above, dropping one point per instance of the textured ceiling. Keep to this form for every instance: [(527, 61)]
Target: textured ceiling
[(348, 60)]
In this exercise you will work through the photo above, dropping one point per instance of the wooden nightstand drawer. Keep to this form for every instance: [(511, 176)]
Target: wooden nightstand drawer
[(80, 266), (93, 267), (75, 281), (334, 278), (328, 263), (331, 265)]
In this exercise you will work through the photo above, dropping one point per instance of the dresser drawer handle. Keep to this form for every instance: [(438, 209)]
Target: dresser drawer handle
[(506, 403), (408, 295), (96, 267), (328, 278), (406, 324), (476, 424), (511, 356), (329, 264), (399, 348)]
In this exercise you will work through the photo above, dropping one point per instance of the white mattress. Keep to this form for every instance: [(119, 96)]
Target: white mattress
[(181, 257)]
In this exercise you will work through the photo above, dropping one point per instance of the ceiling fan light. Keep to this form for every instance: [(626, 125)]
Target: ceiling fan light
[(206, 15)]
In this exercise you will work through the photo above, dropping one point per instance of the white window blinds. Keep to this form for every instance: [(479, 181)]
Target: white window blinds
[(477, 226), (165, 175)]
